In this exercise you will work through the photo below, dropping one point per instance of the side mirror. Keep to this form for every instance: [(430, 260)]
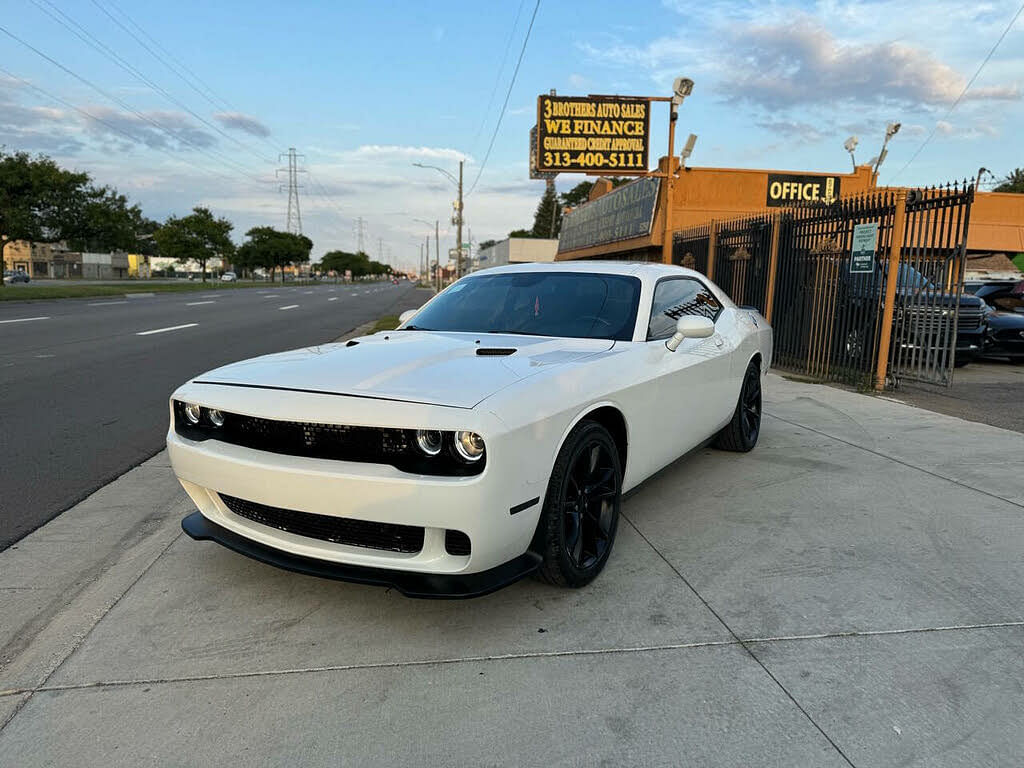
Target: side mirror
[(407, 315), (690, 327)]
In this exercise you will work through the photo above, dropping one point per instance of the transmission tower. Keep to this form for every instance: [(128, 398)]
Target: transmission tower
[(294, 222), (360, 227)]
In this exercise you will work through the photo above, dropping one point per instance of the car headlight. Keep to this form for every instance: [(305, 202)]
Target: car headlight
[(469, 445), (216, 417), (193, 412), (429, 441)]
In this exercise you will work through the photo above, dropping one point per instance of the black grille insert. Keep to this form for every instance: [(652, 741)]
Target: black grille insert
[(339, 442), (339, 530), (456, 543)]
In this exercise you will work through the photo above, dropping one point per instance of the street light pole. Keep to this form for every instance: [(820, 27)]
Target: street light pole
[(458, 260), (437, 246)]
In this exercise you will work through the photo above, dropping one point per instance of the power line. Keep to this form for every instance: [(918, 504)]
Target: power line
[(124, 105), (962, 93), (501, 70), (504, 106), (211, 96), (83, 34), (111, 126)]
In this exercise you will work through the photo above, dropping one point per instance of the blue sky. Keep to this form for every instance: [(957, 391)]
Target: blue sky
[(364, 89)]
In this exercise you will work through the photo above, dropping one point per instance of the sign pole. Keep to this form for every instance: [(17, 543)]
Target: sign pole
[(666, 245)]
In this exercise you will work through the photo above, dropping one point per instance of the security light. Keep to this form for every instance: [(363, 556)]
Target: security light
[(687, 150), (891, 130), (681, 88), (851, 144)]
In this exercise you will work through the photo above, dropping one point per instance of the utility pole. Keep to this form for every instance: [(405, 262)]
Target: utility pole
[(293, 223), (437, 246), (458, 224)]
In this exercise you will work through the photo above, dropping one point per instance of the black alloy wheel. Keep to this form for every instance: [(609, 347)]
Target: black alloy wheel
[(581, 510), (741, 433)]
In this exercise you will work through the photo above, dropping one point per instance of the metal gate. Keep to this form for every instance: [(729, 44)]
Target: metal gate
[(897, 320), (930, 320)]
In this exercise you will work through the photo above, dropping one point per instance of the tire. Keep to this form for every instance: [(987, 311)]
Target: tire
[(741, 433), (575, 560)]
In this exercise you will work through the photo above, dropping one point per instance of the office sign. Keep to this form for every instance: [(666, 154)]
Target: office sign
[(624, 213), (593, 134), (789, 189), (862, 252)]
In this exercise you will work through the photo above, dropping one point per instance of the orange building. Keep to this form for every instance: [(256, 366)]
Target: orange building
[(702, 194)]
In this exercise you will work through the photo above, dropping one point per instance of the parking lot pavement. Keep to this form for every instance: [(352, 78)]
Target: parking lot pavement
[(847, 594), (989, 391)]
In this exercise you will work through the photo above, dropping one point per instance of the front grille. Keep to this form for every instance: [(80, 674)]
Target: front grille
[(456, 543), (970, 319), (339, 530), (339, 442)]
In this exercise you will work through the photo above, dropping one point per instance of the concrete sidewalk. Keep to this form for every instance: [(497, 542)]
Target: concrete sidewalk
[(850, 593)]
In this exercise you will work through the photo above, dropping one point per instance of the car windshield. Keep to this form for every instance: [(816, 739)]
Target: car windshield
[(571, 304)]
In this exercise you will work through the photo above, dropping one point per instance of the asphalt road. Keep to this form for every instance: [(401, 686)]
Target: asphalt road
[(84, 383)]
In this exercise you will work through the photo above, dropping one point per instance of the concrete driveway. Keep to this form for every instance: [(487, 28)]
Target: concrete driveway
[(850, 593)]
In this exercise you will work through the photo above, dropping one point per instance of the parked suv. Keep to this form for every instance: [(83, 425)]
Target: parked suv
[(922, 316)]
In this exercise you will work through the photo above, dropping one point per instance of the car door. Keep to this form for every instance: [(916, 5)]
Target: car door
[(690, 389)]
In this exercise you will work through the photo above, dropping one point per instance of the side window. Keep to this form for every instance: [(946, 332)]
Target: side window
[(677, 297)]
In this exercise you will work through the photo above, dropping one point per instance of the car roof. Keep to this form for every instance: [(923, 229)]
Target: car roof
[(646, 270)]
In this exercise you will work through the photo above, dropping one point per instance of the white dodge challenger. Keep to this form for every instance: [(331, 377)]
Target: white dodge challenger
[(490, 436)]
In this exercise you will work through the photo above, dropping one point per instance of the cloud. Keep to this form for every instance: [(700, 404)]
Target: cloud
[(802, 63), (155, 129), (238, 121), (576, 80), (394, 150)]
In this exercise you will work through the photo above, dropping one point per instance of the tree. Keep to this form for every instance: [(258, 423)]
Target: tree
[(577, 195), (342, 261), (270, 248), (198, 236), (1014, 182), (547, 221), (483, 246), (41, 201), (521, 233), (580, 194)]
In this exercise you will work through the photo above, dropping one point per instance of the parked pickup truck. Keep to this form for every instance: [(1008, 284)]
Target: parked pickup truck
[(923, 315)]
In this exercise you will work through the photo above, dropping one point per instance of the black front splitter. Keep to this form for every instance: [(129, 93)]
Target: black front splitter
[(423, 585)]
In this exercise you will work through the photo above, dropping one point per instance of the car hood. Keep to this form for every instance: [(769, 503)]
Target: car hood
[(414, 366)]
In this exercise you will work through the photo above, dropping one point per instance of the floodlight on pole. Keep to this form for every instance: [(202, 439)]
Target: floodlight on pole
[(850, 145), (687, 150), (681, 88), (890, 130)]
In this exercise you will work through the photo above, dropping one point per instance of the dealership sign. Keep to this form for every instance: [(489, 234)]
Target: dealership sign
[(594, 134), (789, 189), (623, 214)]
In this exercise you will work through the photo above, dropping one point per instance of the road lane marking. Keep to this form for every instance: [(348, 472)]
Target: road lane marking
[(164, 330), (106, 303), (25, 319), (333, 298), (290, 306), (271, 296), (199, 303), (307, 292)]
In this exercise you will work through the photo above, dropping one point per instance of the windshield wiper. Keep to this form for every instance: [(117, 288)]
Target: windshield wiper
[(414, 328), (519, 333)]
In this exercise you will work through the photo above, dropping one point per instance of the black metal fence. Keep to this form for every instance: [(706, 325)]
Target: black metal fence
[(897, 319)]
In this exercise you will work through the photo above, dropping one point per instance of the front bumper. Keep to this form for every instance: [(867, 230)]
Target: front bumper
[(410, 584)]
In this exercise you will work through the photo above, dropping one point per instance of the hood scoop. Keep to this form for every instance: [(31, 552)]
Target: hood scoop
[(494, 351)]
